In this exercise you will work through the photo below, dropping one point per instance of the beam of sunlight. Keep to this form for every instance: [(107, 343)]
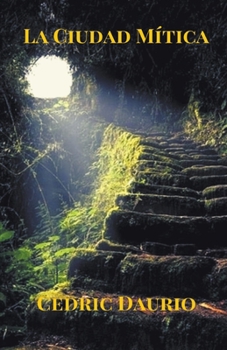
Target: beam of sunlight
[(50, 77)]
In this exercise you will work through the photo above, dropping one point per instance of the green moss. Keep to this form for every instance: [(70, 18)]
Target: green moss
[(115, 167), (156, 275), (160, 204), (152, 153), (205, 128), (106, 245), (160, 178), (216, 206), (215, 191)]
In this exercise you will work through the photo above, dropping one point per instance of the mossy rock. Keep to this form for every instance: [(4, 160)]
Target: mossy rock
[(216, 206), (143, 274), (222, 161), (205, 170), (215, 191), (106, 245), (151, 143), (160, 178), (161, 204), (207, 150), (155, 248), (206, 157), (169, 275), (94, 269), (137, 188), (176, 149), (134, 228), (219, 280), (199, 183), (156, 155), (136, 330), (158, 166), (200, 162), (194, 331)]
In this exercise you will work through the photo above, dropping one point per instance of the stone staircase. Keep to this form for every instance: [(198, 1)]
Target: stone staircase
[(165, 241), (179, 196)]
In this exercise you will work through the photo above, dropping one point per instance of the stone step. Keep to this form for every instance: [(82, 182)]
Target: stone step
[(207, 150), (216, 206), (179, 140), (182, 150), (175, 149), (155, 164), (136, 187), (149, 154), (199, 183), (178, 156), (172, 205), (185, 145), (163, 144), (215, 192), (163, 204), (131, 322), (205, 157), (222, 161), (205, 170), (193, 156), (150, 275), (202, 162), (135, 227), (160, 178), (151, 143), (159, 135)]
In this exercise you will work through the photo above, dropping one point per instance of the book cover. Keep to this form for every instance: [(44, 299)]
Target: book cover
[(113, 175)]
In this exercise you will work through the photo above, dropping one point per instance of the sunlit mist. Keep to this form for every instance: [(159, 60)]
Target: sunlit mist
[(50, 77)]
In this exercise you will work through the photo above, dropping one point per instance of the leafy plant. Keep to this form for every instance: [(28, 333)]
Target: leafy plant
[(111, 173)]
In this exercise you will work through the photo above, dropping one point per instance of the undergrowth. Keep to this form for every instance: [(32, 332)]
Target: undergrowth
[(111, 173), (208, 129)]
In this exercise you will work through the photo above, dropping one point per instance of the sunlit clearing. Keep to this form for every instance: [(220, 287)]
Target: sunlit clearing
[(50, 77)]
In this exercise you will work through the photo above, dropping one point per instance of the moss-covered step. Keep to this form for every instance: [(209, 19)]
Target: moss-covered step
[(205, 157), (177, 156), (149, 154), (149, 274), (199, 183), (138, 187), (180, 140), (222, 161), (185, 150), (207, 150), (158, 178), (216, 191), (151, 143), (136, 327), (174, 149), (186, 144), (155, 164), (161, 204), (135, 228), (158, 152), (200, 162), (216, 206), (205, 170), (159, 275)]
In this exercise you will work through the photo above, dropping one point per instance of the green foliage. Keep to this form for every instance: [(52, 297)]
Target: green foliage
[(5, 235), (15, 269), (206, 127), (111, 174)]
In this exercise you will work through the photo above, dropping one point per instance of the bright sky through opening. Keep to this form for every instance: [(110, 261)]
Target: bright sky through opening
[(50, 77)]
